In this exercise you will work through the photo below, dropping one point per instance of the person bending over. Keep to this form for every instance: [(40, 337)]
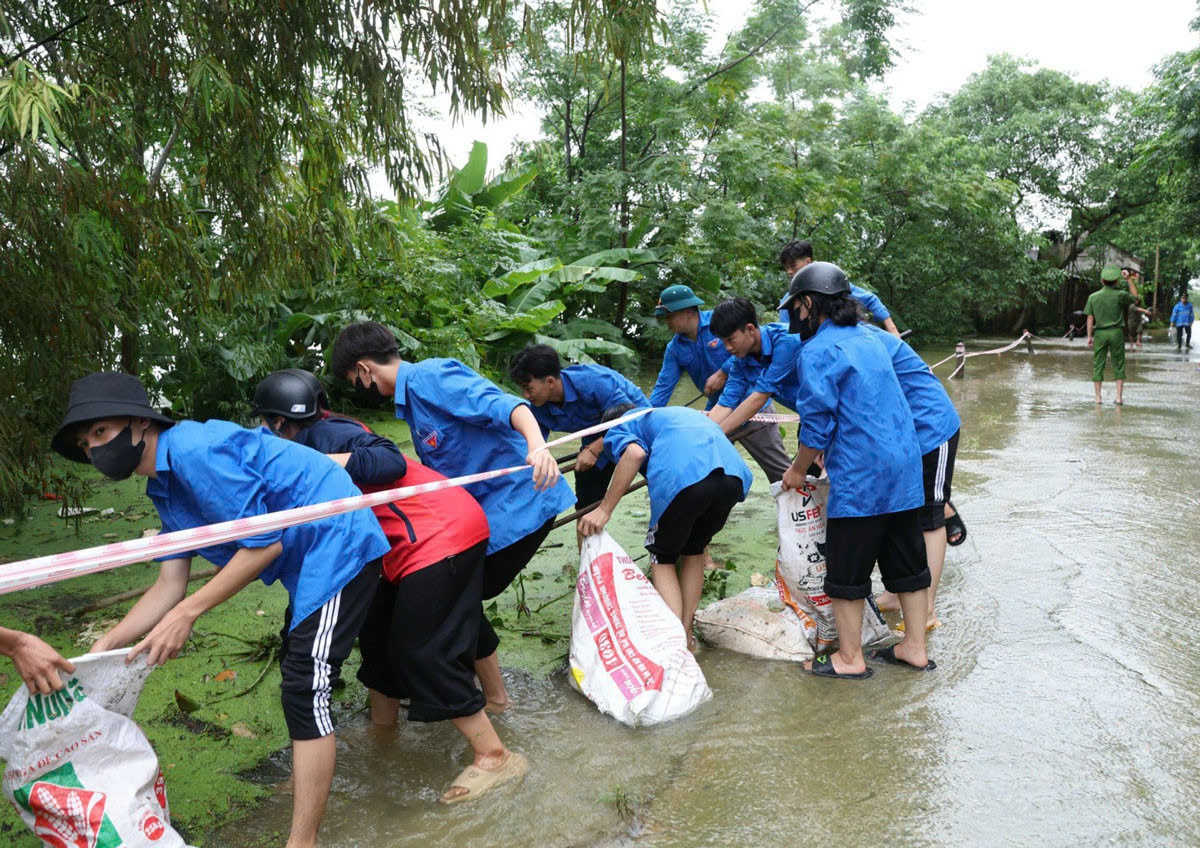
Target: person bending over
[(762, 366), (574, 398), (422, 630), (853, 408), (695, 476), (462, 424), (200, 474)]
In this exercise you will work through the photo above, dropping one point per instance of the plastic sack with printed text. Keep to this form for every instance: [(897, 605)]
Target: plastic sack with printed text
[(629, 654), (78, 769), (800, 566)]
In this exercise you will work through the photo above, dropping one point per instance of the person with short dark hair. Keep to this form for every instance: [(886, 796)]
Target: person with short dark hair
[(762, 367), (853, 408), (798, 253), (697, 350), (206, 473), (574, 398), (695, 477), (1105, 310), (420, 636), (1183, 315), (462, 424)]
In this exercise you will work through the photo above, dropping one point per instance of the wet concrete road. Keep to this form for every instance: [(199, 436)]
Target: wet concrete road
[(1065, 710)]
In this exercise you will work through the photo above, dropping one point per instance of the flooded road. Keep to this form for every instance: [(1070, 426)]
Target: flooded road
[(1065, 709)]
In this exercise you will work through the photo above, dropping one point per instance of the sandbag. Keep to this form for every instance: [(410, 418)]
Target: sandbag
[(79, 770), (629, 653), (756, 623), (800, 566)]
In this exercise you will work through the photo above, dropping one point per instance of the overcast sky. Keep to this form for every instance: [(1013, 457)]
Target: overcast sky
[(942, 42)]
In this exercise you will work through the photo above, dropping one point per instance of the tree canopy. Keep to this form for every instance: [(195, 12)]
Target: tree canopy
[(185, 195)]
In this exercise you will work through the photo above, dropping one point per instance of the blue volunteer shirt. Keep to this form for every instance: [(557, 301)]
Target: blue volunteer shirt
[(869, 300), (460, 425), (699, 359), (1183, 315), (218, 471), (588, 390), (853, 408), (683, 446), (934, 415), (773, 370)]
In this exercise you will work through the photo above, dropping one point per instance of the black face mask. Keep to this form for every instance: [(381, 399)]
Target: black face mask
[(370, 395), (117, 458), (805, 328)]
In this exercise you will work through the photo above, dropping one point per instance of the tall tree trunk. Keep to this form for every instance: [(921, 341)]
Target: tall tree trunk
[(623, 303), (567, 141)]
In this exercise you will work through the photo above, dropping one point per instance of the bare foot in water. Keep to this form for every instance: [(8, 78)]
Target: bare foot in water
[(497, 707), (887, 602)]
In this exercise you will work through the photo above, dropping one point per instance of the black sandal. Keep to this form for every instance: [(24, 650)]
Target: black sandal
[(956, 531)]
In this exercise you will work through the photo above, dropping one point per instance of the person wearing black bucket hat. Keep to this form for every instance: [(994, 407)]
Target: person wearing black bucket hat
[(107, 395), (205, 473)]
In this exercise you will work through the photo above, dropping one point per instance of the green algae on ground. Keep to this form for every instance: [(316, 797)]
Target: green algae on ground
[(207, 754)]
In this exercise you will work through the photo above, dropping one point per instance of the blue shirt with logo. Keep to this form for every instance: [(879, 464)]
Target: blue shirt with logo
[(683, 446), (772, 370), (699, 359), (934, 415), (218, 471), (461, 424), (1183, 315), (853, 408), (588, 390)]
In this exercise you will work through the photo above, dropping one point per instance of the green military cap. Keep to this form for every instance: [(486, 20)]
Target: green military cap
[(1111, 273), (674, 298)]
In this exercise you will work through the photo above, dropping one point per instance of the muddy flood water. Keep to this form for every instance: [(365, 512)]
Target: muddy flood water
[(1065, 710)]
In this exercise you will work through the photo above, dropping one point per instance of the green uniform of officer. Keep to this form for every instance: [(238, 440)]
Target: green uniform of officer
[(1105, 312)]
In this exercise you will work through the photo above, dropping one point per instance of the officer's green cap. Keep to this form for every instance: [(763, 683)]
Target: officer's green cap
[(1111, 273), (674, 298)]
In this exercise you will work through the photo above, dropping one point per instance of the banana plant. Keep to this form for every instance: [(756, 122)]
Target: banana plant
[(527, 303), (468, 190)]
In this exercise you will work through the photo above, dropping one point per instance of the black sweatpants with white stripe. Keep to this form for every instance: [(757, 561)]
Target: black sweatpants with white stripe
[(313, 653), (937, 469)]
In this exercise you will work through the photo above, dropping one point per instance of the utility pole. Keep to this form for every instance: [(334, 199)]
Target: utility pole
[(1154, 307)]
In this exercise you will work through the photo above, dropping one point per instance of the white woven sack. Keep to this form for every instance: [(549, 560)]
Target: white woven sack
[(629, 653), (79, 770)]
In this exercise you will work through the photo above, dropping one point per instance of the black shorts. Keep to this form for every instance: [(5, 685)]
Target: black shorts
[(694, 516), (592, 485), (853, 545), (420, 637), (313, 652), (937, 468), (500, 568)]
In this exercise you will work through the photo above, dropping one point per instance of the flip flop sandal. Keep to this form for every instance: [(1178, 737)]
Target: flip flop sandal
[(479, 781), (888, 655), (822, 666), (955, 528)]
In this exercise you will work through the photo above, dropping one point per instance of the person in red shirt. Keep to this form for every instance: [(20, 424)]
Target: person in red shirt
[(419, 639)]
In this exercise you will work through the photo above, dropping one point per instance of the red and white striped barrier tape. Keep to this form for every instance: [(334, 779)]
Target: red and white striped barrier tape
[(995, 350), (775, 418), (31, 573)]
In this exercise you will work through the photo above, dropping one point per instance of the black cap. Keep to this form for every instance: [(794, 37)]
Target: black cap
[(105, 394), (819, 277), (293, 393)]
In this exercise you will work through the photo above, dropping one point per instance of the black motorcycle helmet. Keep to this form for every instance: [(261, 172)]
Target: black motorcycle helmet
[(818, 277), (292, 393)]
